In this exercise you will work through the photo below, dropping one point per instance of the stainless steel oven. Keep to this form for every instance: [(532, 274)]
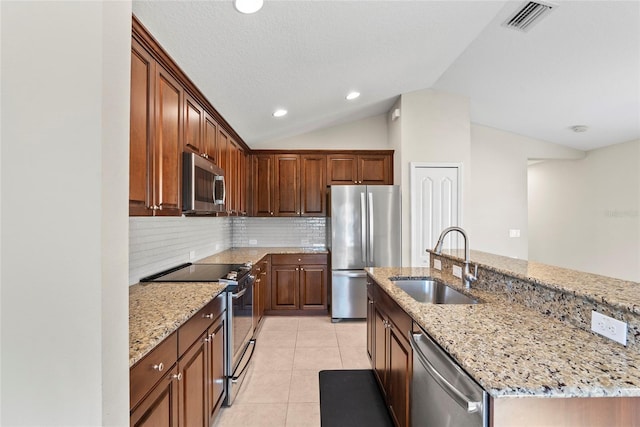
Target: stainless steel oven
[(241, 343)]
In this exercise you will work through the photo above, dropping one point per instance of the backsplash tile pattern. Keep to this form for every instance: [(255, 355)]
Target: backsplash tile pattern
[(279, 232), (159, 243)]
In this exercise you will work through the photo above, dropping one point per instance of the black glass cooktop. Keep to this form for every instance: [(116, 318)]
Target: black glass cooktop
[(197, 273)]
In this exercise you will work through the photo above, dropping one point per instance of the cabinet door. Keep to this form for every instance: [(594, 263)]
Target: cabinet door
[(399, 379), (193, 126), (263, 186), (313, 185), (374, 169), (380, 348), (257, 299), (141, 131), (242, 197), (160, 407), (192, 366), (234, 173), (168, 144), (210, 136), (371, 325), (342, 169), (287, 187), (313, 287), (284, 287), (216, 362)]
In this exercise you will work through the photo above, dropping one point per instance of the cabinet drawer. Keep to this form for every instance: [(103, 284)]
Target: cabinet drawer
[(155, 365), (396, 314), (199, 322), (317, 259)]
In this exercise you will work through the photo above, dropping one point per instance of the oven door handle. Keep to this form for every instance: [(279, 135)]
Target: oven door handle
[(252, 343), (239, 294)]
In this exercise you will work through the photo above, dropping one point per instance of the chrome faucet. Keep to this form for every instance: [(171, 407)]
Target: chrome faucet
[(467, 277)]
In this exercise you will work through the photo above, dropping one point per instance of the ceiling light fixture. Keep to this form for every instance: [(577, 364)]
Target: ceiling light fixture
[(280, 113), (248, 6), (579, 128), (352, 95)]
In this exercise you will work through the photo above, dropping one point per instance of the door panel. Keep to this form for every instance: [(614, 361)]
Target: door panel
[(384, 224), (434, 207), (348, 243)]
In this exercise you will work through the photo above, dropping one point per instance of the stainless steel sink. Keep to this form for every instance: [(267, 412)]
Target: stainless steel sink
[(431, 291)]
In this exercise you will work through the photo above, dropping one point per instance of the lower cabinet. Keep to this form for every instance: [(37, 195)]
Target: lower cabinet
[(181, 381), (388, 329), (261, 283), (298, 284)]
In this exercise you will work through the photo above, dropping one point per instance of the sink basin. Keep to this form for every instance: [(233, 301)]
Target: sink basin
[(431, 291)]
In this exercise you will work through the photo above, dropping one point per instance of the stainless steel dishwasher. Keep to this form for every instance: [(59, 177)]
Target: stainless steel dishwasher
[(442, 394)]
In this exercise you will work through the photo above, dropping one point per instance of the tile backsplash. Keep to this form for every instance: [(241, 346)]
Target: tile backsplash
[(159, 243)]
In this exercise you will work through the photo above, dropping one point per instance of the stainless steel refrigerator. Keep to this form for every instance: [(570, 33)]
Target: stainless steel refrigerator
[(365, 232)]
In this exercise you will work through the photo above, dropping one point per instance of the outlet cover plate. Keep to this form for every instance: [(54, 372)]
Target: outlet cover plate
[(253, 242), (437, 264), (609, 327), (457, 271)]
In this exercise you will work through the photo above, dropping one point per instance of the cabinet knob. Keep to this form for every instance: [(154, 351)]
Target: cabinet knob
[(301, 268), (159, 367), (297, 269), (207, 339), (211, 335), (271, 213), (177, 376), (208, 316), (370, 302)]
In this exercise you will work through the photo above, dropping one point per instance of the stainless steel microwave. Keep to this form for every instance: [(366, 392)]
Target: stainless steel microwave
[(203, 189)]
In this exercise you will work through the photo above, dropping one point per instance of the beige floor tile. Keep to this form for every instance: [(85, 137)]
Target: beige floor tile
[(273, 358), (280, 339), (352, 338), (315, 358), (280, 323), (265, 387), (305, 387), (303, 415), (253, 415), (354, 358), (319, 338), (315, 323)]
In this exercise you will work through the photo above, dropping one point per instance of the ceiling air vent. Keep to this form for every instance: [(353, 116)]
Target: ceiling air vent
[(528, 15)]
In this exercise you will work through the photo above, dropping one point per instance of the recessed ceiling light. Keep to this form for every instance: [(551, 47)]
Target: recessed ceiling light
[(248, 6), (279, 113), (353, 95)]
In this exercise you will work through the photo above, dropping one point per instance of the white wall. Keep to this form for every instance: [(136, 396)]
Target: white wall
[(434, 127), (584, 215), (64, 296), (365, 134), (497, 195)]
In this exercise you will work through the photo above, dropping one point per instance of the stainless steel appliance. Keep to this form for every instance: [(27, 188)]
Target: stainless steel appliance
[(442, 394), (240, 342), (365, 232), (203, 188)]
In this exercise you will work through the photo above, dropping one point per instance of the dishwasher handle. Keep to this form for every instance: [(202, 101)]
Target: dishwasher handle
[(455, 394)]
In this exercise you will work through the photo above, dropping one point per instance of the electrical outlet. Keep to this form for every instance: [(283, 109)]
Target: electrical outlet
[(514, 232), (192, 255), (304, 242), (253, 242), (437, 264), (457, 271), (609, 327)]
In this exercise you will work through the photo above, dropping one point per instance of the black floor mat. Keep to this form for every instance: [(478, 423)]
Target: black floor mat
[(351, 398)]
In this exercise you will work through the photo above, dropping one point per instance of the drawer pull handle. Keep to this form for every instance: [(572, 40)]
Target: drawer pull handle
[(159, 367)]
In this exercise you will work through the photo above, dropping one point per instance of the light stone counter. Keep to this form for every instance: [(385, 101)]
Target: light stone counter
[(512, 350), (157, 309), (242, 255)]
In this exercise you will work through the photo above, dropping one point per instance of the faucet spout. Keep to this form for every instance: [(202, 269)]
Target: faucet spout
[(468, 278)]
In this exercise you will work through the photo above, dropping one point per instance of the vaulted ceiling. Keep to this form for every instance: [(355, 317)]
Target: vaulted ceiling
[(579, 65)]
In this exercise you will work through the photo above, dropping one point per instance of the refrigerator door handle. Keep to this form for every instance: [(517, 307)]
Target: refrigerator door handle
[(363, 229), (370, 248)]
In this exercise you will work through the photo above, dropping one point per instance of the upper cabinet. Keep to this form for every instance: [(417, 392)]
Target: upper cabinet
[(313, 185), (365, 169), (169, 115), (155, 137)]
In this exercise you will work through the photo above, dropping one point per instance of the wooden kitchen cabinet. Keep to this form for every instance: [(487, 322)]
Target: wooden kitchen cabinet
[(388, 328), (365, 169), (181, 381), (298, 284), (155, 149), (287, 184), (313, 185), (370, 326), (209, 139), (263, 188), (193, 126), (261, 273)]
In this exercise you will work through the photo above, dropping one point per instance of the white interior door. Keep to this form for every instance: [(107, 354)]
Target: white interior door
[(435, 205)]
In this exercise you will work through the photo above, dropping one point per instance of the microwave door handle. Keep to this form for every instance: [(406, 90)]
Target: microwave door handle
[(224, 190)]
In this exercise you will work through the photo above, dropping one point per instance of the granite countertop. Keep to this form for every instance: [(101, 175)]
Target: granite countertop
[(157, 309), (514, 351), (618, 293)]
